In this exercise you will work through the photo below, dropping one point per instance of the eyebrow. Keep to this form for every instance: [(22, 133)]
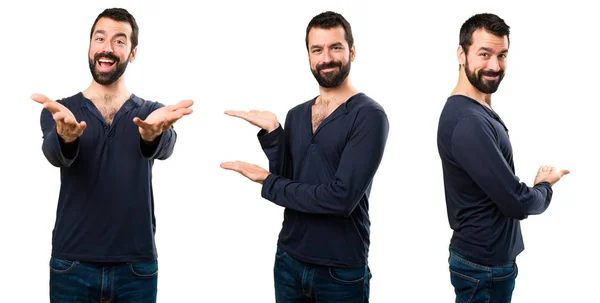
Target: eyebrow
[(487, 49), (116, 35), (332, 45)]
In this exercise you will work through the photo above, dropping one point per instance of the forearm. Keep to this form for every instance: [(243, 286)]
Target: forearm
[(161, 147), (57, 151), (541, 201), (335, 198), (274, 147), (519, 201)]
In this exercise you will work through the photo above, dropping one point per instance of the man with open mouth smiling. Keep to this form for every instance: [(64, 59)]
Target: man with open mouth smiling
[(105, 140)]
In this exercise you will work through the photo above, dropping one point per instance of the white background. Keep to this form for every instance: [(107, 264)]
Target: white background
[(216, 236)]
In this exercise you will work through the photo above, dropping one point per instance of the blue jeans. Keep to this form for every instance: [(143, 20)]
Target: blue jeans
[(475, 283), (296, 281), (80, 282)]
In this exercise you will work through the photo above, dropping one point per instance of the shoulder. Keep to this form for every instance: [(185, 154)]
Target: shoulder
[(72, 101), (300, 109), (302, 106), (364, 106), (146, 104)]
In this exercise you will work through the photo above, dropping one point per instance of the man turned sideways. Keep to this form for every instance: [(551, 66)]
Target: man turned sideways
[(485, 199)]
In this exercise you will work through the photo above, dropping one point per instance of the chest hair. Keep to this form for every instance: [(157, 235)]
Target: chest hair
[(320, 112), (108, 107)]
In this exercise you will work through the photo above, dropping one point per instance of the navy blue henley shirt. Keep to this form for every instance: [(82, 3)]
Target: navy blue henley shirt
[(484, 198), (105, 207), (324, 180)]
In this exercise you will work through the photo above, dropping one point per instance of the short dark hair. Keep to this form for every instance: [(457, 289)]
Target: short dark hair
[(120, 15), (489, 22), (329, 20)]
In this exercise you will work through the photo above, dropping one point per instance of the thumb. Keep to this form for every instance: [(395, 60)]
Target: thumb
[(565, 172), (82, 125), (140, 123)]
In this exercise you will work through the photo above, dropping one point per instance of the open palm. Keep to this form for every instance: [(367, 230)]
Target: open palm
[(67, 126), (263, 119), (162, 119)]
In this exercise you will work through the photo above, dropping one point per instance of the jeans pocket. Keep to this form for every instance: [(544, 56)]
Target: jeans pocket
[(144, 269), (505, 273), (280, 254), (347, 275), (464, 286), (60, 265)]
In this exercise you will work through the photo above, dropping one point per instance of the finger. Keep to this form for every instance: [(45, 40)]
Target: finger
[(180, 112), (59, 116), (71, 121), (232, 165), (141, 123), (39, 98), (184, 104), (180, 104), (176, 115), (565, 172), (53, 106), (81, 127), (236, 113)]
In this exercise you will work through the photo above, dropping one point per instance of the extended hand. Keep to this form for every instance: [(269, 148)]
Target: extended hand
[(161, 119), (263, 119), (550, 174), (250, 171), (67, 126)]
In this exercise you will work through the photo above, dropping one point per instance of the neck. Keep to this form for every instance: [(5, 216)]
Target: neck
[(465, 88), (115, 91), (336, 95)]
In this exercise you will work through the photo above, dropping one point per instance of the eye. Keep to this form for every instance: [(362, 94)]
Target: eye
[(316, 50), (99, 39), (120, 41), (485, 55), (502, 56)]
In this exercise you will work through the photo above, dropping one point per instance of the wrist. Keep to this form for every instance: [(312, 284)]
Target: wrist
[(149, 138), (272, 127), (67, 139)]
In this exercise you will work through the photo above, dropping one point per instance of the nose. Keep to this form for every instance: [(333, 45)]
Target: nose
[(327, 57), (493, 64), (107, 47)]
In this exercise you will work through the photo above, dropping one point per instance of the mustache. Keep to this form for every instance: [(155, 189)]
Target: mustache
[(490, 73), (329, 65), (110, 56)]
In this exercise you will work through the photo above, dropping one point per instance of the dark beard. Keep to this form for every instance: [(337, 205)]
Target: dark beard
[(334, 78), (107, 78), (476, 79)]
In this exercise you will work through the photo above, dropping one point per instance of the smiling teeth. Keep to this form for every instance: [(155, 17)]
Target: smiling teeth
[(105, 60)]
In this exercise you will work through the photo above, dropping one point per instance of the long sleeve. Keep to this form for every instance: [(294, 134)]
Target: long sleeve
[(163, 146), (58, 153), (274, 145), (474, 147), (359, 162)]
